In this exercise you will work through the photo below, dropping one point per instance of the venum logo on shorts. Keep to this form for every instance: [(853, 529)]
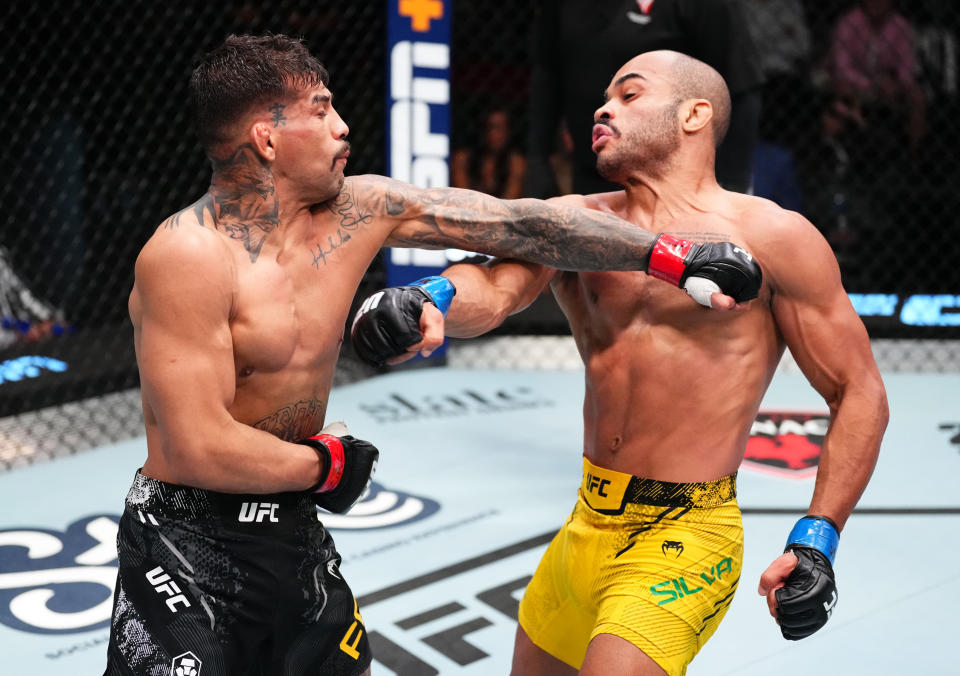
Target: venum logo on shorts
[(786, 444), (381, 507), (258, 511), (186, 664), (672, 546), (55, 582)]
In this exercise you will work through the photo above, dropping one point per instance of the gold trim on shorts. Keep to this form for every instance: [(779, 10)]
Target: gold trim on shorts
[(608, 492)]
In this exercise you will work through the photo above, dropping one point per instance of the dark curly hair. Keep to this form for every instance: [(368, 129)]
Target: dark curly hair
[(246, 71)]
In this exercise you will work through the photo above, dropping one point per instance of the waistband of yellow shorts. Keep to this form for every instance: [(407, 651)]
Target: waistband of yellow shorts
[(608, 491)]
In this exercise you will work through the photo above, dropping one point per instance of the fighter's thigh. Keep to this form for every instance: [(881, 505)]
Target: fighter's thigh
[(529, 660), (556, 611), (666, 594), (610, 655), (320, 629), (157, 626), (162, 616), (334, 644)]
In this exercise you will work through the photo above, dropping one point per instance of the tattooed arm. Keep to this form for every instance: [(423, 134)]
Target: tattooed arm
[(181, 306), (549, 233)]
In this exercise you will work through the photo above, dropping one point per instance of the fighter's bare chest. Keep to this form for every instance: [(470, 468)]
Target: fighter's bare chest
[(635, 299), (287, 317), (618, 299)]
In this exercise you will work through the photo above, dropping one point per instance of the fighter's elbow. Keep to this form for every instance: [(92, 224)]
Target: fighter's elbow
[(882, 406), (875, 393), (188, 458), (868, 395)]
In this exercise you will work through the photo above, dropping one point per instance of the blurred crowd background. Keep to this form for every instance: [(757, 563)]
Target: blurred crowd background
[(848, 114)]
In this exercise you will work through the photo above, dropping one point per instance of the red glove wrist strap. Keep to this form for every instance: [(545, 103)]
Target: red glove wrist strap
[(666, 258), (335, 446)]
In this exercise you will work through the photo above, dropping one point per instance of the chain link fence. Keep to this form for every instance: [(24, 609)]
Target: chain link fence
[(99, 149)]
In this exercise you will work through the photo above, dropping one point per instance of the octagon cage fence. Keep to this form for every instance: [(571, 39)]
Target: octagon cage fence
[(99, 149)]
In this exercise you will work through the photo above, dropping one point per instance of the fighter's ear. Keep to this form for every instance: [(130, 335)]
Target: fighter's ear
[(696, 114), (261, 137)]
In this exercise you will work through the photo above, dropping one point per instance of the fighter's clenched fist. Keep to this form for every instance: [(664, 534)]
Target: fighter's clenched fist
[(704, 269)]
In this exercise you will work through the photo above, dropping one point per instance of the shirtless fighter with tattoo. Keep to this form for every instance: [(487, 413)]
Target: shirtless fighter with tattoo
[(238, 310), (642, 572)]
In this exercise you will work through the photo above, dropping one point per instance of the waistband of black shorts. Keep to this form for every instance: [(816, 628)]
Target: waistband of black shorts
[(149, 499), (608, 491)]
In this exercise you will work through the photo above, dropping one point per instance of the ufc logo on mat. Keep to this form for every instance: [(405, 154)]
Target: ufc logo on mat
[(162, 584), (258, 511)]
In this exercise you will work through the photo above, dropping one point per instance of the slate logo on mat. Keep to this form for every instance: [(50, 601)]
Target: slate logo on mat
[(787, 444), (403, 407)]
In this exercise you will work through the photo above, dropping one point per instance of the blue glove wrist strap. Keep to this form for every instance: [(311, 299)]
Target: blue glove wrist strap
[(440, 289), (817, 532)]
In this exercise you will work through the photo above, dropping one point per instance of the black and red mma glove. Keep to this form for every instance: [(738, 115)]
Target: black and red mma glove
[(348, 467), (704, 269)]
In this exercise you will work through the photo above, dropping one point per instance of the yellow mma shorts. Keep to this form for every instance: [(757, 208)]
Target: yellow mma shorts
[(653, 562)]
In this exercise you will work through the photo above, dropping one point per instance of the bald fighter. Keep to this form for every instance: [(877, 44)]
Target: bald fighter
[(643, 571)]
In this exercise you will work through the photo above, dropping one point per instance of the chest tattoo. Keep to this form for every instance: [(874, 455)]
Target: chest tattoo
[(295, 421), (350, 218)]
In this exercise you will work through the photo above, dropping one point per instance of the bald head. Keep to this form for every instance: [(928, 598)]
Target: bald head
[(689, 79)]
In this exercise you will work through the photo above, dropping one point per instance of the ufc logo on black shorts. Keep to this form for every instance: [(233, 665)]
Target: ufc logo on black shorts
[(258, 511)]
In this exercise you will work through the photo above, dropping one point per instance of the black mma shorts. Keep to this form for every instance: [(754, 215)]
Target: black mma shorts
[(215, 584)]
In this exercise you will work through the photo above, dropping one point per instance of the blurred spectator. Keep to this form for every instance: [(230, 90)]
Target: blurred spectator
[(936, 24), (24, 317), (49, 243), (780, 31), (775, 176), (493, 165), (838, 196), (561, 161), (873, 65), (937, 44), (578, 46)]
